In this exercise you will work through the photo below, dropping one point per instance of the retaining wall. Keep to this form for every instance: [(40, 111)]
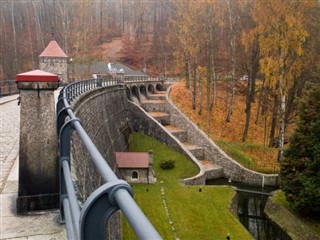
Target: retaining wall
[(142, 122), (212, 152)]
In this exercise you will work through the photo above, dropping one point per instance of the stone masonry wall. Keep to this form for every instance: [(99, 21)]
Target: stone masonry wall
[(55, 65), (232, 169), (103, 113), (142, 122)]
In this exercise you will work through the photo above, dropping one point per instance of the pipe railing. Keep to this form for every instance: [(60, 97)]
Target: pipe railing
[(8, 87), (89, 222)]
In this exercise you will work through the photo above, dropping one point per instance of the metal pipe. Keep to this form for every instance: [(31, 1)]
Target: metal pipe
[(67, 215), (74, 206)]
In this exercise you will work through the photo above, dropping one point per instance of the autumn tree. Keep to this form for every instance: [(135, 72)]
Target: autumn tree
[(249, 59), (212, 21), (232, 22), (187, 32), (282, 33)]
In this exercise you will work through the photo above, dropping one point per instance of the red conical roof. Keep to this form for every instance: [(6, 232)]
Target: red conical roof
[(53, 50)]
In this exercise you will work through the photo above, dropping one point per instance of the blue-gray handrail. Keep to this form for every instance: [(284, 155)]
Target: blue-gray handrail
[(89, 222)]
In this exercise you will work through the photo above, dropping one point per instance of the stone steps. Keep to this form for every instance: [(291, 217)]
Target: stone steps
[(161, 117), (153, 105), (157, 96), (208, 165), (179, 133), (196, 150)]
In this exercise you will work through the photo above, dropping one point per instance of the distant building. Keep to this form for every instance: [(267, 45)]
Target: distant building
[(136, 167), (54, 60), (122, 69)]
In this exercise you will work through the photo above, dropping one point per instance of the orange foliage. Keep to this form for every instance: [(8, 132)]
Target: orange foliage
[(218, 129)]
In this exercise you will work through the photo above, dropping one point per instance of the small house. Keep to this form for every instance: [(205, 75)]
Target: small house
[(136, 167)]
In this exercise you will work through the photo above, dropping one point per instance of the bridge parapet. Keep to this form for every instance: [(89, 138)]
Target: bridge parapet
[(114, 194)]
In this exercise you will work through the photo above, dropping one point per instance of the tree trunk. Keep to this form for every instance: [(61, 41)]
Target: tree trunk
[(15, 67), (247, 110), (209, 73), (187, 69), (194, 85), (233, 90), (274, 120), (101, 28), (232, 96), (282, 108), (200, 92), (251, 86), (30, 40), (233, 52), (260, 100)]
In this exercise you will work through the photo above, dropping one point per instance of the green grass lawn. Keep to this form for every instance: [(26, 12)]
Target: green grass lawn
[(195, 215)]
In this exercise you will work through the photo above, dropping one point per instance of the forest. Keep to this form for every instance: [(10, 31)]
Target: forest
[(271, 47)]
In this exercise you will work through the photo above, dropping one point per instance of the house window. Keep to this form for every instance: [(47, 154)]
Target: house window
[(134, 175)]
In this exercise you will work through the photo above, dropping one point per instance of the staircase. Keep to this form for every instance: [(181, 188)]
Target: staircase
[(155, 106)]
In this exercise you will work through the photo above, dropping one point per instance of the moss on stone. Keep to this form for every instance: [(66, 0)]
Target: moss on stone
[(297, 227)]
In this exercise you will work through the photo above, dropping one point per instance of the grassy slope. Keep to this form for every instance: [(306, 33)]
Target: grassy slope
[(195, 215)]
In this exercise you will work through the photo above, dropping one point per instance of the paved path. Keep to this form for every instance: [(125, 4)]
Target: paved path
[(9, 135), (42, 225)]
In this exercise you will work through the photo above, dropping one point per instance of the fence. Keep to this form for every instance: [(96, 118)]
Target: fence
[(89, 222), (8, 87)]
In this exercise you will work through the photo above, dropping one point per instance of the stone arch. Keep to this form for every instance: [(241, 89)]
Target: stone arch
[(143, 92), (159, 87), (150, 88), (128, 92), (135, 96)]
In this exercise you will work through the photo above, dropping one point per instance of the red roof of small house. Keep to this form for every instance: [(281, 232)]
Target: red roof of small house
[(53, 50), (37, 76), (132, 159)]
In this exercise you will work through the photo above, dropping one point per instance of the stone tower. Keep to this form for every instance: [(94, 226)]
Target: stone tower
[(38, 153), (54, 60)]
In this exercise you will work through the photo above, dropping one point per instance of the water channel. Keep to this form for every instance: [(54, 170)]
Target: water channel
[(250, 203)]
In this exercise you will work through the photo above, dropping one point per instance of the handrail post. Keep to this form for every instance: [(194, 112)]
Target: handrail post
[(98, 208)]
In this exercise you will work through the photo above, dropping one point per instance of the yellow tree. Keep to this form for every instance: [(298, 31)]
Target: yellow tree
[(188, 35), (282, 34)]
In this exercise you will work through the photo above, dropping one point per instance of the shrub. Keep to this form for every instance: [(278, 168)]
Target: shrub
[(167, 164)]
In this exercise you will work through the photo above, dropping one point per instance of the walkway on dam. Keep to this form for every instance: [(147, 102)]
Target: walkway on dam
[(42, 225)]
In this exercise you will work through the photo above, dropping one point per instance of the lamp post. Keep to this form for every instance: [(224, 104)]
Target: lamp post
[(72, 64)]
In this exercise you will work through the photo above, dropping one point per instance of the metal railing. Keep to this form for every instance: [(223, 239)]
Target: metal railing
[(89, 222), (137, 78), (8, 87)]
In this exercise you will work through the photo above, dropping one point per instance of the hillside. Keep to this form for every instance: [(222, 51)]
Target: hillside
[(253, 153)]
